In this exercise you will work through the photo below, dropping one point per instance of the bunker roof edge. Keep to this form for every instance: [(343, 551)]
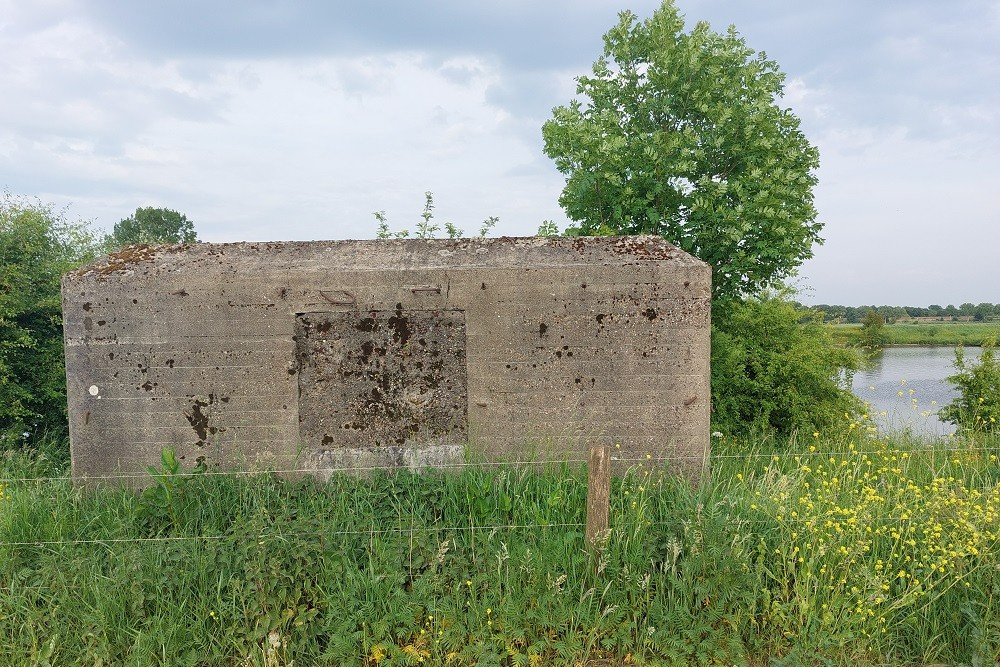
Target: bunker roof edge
[(378, 254)]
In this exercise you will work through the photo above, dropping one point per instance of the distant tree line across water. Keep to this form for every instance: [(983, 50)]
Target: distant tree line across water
[(982, 312)]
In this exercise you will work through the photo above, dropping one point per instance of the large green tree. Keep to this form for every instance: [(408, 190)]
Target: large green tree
[(37, 244), (152, 225), (681, 134)]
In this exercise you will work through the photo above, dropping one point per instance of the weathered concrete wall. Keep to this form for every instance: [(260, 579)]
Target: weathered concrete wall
[(311, 355)]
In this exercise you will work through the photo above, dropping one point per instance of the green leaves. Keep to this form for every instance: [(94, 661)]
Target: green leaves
[(152, 225), (872, 336), (679, 134), (775, 370), (425, 228), (37, 245), (977, 407)]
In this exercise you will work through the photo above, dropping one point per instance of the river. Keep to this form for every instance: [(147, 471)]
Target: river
[(909, 384)]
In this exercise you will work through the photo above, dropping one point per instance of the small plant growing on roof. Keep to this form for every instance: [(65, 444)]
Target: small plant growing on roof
[(425, 228)]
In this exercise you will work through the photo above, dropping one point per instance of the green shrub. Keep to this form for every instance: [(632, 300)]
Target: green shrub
[(37, 245), (776, 370), (873, 336), (977, 408)]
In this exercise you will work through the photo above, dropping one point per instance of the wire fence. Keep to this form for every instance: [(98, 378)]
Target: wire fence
[(826, 455), (450, 466), (269, 536), (630, 460)]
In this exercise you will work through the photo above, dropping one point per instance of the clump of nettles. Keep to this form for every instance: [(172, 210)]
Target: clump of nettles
[(977, 407), (425, 228)]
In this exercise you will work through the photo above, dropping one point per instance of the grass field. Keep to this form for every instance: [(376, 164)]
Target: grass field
[(923, 333), (836, 548)]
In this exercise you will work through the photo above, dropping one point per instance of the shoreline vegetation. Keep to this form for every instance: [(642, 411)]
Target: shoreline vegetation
[(970, 334), (849, 547)]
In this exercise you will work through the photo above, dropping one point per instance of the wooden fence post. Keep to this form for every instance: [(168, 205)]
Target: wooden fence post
[(598, 494)]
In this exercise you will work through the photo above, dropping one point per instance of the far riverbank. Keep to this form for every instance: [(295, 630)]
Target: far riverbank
[(969, 334)]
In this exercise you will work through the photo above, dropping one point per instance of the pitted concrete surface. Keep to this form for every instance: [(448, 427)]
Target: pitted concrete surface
[(328, 354)]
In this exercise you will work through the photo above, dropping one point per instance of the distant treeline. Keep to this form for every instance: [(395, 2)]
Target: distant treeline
[(982, 312)]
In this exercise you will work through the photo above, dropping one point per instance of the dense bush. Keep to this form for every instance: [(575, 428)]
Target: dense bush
[(37, 244), (873, 335), (977, 407), (774, 369)]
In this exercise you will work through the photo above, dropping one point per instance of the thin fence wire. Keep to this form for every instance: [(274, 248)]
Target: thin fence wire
[(814, 519), (369, 532), (649, 458), (262, 538), (416, 530), (270, 536)]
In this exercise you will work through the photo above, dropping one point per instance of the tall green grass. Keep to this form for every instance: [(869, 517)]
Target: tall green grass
[(841, 548)]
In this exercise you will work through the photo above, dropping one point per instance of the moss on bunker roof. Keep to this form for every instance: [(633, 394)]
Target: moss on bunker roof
[(398, 253), (126, 258)]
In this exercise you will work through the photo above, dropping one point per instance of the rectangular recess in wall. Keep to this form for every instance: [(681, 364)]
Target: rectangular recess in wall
[(382, 378)]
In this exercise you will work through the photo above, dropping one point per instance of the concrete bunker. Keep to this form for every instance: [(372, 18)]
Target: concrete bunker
[(306, 356)]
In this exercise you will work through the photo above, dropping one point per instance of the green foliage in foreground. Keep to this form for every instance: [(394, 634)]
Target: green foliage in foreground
[(845, 549), (775, 370), (977, 406), (944, 333)]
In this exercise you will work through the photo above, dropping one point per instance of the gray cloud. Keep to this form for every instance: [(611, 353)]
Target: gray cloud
[(266, 119), (521, 33)]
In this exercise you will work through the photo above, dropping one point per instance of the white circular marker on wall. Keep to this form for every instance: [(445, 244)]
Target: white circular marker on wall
[(94, 391)]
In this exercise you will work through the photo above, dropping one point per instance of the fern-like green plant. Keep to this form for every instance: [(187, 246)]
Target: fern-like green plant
[(425, 228)]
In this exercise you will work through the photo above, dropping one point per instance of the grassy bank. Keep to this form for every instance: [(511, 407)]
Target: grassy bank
[(942, 333), (833, 549)]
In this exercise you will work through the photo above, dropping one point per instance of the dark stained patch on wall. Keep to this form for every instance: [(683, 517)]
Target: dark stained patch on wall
[(382, 377)]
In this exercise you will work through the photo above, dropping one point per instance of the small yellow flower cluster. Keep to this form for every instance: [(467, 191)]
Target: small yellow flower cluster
[(416, 651), (377, 654)]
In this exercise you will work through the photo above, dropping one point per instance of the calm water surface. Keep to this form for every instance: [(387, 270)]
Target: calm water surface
[(908, 384)]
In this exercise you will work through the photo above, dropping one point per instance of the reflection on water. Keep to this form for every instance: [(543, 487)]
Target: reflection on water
[(909, 385)]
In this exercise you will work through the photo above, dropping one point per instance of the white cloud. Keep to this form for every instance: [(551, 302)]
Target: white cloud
[(808, 103), (906, 220), (297, 121)]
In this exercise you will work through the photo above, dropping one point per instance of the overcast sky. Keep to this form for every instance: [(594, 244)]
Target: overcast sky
[(296, 119)]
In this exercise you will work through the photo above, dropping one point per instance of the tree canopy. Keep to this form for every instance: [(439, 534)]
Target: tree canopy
[(152, 225), (680, 134)]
